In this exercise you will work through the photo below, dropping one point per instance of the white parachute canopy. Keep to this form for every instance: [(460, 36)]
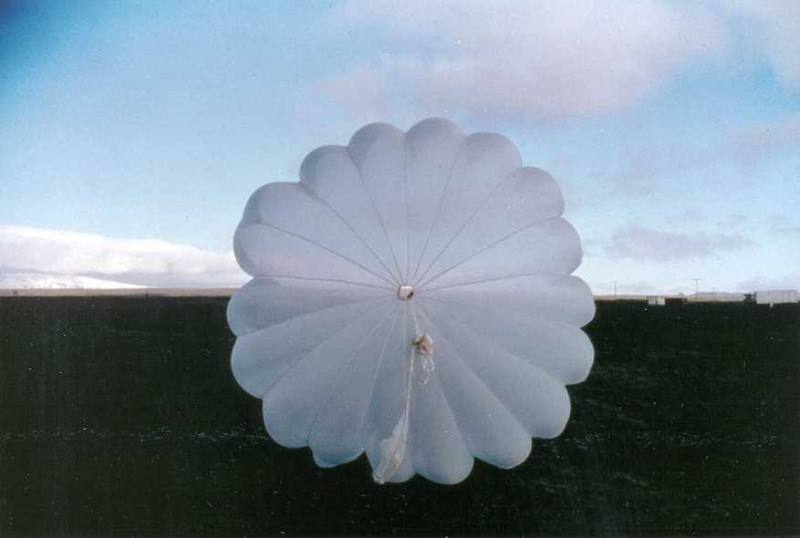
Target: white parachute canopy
[(411, 298)]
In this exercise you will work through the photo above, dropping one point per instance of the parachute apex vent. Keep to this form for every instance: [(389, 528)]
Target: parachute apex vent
[(405, 293)]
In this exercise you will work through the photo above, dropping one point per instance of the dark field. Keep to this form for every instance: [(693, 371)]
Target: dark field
[(120, 416)]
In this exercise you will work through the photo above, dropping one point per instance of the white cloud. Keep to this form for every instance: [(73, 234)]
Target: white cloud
[(537, 58), (16, 281), (773, 27), (136, 261), (648, 244), (783, 225), (733, 222), (690, 215), (746, 146), (763, 140)]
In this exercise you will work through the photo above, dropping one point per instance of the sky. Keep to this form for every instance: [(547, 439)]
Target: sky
[(132, 133)]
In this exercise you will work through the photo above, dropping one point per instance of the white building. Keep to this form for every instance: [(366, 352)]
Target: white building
[(717, 297), (656, 300), (772, 297)]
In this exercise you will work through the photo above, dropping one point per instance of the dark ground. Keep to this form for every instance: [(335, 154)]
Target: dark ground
[(120, 416)]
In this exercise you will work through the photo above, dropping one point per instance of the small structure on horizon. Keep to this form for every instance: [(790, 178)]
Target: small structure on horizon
[(676, 299), (717, 297), (772, 297)]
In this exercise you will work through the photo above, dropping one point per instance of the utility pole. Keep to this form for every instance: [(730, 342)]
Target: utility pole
[(696, 286), (615, 288)]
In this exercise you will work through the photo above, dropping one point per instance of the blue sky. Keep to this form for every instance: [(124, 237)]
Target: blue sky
[(132, 133)]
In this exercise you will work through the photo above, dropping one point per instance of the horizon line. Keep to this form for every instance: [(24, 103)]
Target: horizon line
[(229, 291)]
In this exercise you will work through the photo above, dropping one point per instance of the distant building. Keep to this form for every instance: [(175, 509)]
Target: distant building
[(760, 297), (675, 299), (717, 297), (772, 297), (622, 298)]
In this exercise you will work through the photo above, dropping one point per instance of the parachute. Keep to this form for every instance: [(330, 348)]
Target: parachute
[(411, 298)]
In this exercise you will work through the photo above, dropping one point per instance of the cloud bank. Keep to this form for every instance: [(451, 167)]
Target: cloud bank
[(643, 167), (146, 262), (773, 27), (641, 243), (539, 58), (545, 59)]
